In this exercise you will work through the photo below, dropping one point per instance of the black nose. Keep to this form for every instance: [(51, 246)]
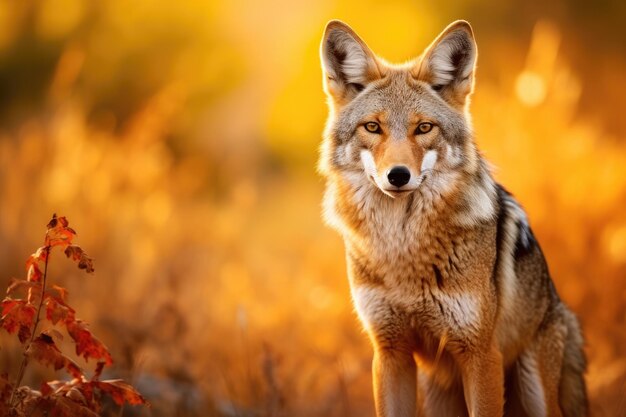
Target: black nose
[(399, 176)]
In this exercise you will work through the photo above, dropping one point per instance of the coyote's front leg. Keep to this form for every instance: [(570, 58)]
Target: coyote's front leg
[(395, 383), (483, 382)]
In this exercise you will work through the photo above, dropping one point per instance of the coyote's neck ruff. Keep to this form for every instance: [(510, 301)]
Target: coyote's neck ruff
[(445, 273)]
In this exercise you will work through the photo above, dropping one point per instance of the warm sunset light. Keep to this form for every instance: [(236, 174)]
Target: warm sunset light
[(181, 139), (530, 88)]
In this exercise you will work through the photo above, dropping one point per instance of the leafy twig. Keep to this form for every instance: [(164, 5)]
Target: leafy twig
[(24, 363), (80, 395)]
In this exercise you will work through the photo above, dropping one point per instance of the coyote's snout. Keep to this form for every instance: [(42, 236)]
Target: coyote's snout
[(397, 166), (445, 272)]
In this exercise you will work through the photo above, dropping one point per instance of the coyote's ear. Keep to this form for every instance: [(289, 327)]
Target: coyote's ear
[(448, 63), (347, 63)]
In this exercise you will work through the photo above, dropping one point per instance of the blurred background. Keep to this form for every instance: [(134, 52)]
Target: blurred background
[(180, 140)]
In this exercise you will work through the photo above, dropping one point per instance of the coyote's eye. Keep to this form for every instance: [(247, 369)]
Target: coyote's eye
[(423, 128), (372, 127)]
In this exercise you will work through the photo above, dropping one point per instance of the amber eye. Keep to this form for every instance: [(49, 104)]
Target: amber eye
[(423, 128), (372, 127)]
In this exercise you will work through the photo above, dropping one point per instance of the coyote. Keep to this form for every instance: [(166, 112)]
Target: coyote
[(445, 272)]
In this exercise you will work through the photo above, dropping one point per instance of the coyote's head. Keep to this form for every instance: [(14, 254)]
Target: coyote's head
[(400, 126)]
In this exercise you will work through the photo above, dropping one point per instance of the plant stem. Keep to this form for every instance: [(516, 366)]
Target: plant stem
[(20, 374), (43, 292)]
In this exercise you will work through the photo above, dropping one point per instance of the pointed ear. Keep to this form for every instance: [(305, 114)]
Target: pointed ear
[(448, 64), (347, 63)]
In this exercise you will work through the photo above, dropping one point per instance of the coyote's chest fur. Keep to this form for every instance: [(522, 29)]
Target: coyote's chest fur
[(407, 261)]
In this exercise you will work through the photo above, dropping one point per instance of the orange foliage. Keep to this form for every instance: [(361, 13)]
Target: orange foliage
[(80, 396)]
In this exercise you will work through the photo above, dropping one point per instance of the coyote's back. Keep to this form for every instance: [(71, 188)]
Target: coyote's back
[(445, 272)]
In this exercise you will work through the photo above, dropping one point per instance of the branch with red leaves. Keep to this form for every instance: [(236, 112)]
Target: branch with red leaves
[(79, 396)]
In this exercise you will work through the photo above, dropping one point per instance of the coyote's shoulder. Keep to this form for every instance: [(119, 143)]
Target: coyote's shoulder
[(445, 272)]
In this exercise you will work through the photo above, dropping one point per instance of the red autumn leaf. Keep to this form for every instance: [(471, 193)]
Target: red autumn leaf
[(59, 234), (46, 389), (57, 310), (98, 371), (54, 334), (77, 254), (56, 387), (63, 406), (56, 220), (76, 395), (24, 333), (33, 289), (87, 388), (121, 392), (44, 350), (20, 284), (32, 264), (79, 390), (62, 292), (52, 223), (17, 316), (40, 255), (82, 391), (87, 345), (34, 272)]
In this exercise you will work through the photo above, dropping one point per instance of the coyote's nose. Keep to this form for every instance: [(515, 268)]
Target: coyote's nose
[(399, 176)]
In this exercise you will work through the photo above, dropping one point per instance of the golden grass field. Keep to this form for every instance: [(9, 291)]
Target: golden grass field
[(180, 140)]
